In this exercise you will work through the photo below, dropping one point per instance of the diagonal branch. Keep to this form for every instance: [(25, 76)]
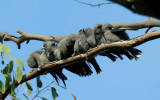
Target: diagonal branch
[(74, 97), (82, 57), (27, 36)]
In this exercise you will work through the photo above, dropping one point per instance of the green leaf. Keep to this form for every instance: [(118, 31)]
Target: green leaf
[(8, 80), (29, 87), (19, 62), (54, 93), (1, 46), (5, 70), (12, 90), (39, 82), (6, 49), (13, 87), (43, 98), (15, 98), (8, 69), (2, 87), (2, 62), (10, 66), (19, 74)]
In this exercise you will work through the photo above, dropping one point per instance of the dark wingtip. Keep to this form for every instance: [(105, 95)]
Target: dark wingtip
[(19, 46), (27, 41)]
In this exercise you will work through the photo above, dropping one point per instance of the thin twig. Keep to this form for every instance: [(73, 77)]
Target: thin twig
[(92, 5), (74, 97), (42, 90)]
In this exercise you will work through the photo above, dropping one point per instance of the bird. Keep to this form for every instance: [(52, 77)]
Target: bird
[(85, 41), (65, 50), (65, 47), (99, 36), (81, 45), (39, 58), (114, 36), (91, 39)]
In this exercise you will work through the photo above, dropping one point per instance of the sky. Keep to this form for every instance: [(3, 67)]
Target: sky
[(121, 80)]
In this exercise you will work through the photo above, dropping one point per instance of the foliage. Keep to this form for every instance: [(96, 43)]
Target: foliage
[(11, 76)]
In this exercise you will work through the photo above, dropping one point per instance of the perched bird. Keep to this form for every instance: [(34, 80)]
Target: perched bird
[(34, 59), (91, 39), (65, 50), (99, 36), (39, 58), (82, 46), (65, 47), (114, 36)]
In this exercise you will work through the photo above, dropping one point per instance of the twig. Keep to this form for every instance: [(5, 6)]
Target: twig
[(42, 90), (74, 97), (92, 5)]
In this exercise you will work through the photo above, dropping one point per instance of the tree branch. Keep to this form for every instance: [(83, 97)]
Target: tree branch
[(82, 57), (74, 97), (27, 36), (139, 25)]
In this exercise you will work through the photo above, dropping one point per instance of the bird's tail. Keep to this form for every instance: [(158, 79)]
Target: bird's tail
[(57, 74), (95, 65), (126, 53), (81, 69), (135, 52), (109, 55), (115, 52)]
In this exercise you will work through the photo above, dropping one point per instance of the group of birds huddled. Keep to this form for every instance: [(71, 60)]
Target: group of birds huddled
[(75, 44)]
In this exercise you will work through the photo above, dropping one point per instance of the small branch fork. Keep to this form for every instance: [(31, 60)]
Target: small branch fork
[(82, 57), (27, 36)]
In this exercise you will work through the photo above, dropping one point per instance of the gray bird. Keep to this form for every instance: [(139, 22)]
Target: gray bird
[(65, 50), (39, 58), (34, 59), (83, 43), (48, 54), (99, 36), (114, 36), (65, 47), (91, 39)]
